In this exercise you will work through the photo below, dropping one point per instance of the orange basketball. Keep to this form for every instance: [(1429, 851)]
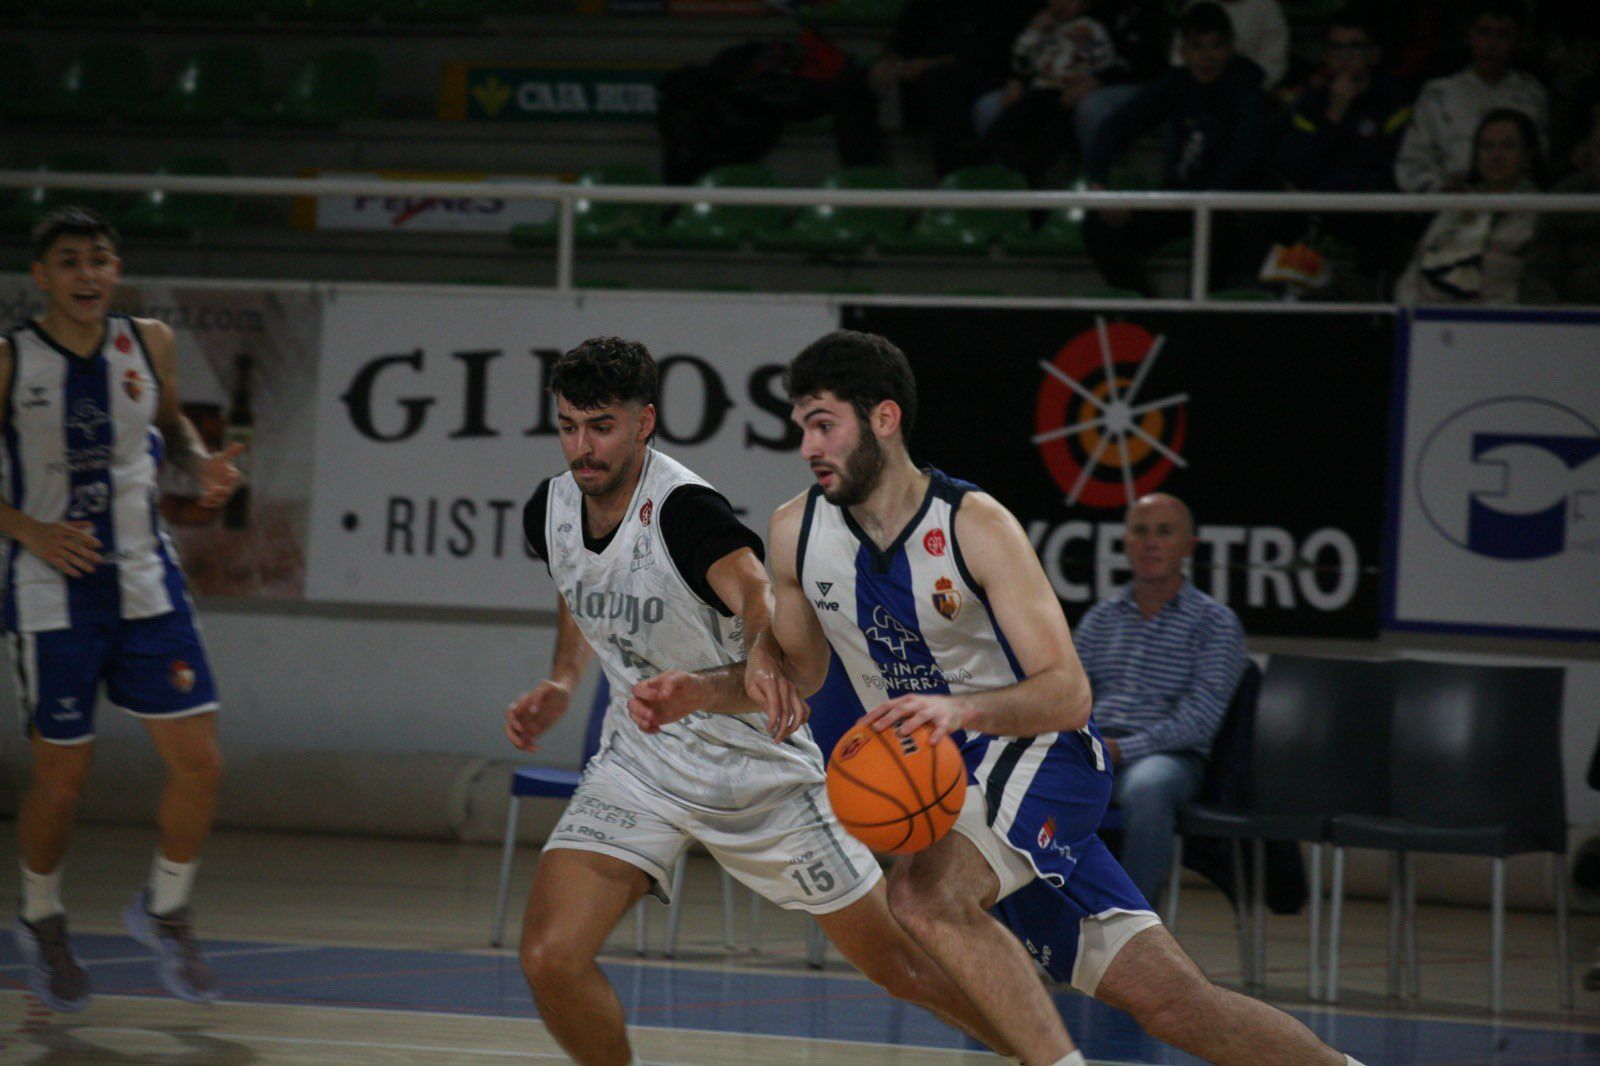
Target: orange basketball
[(896, 793)]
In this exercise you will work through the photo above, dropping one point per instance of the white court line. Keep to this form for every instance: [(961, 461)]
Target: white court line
[(282, 949)]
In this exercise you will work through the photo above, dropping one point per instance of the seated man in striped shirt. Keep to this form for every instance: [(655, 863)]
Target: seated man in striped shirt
[(1163, 659)]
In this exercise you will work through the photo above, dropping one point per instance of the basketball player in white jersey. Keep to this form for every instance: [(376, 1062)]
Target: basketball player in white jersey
[(657, 574), (94, 594), (931, 597)]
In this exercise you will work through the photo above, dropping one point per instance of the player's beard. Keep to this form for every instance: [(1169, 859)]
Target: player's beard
[(610, 484), (862, 468)]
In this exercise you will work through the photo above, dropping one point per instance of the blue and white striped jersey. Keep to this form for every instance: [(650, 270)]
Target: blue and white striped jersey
[(81, 446)]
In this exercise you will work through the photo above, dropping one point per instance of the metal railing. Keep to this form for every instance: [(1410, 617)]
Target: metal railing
[(1203, 205)]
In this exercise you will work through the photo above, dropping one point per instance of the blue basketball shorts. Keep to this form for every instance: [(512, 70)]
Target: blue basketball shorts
[(151, 668)]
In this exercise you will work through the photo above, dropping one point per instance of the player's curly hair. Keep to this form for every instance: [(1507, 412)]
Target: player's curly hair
[(606, 370), (863, 369), (70, 221)]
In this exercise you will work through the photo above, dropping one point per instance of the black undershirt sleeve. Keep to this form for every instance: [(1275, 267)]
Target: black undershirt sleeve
[(699, 528), (533, 521)]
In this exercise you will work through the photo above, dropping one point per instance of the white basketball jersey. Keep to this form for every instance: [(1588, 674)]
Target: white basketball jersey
[(641, 618), (81, 446)]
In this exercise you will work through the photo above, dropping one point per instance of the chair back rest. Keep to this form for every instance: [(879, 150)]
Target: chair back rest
[(1228, 770), (1322, 736), (1479, 745)]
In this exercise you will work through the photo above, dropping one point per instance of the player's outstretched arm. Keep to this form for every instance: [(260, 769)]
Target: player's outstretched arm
[(69, 547), (543, 705), (740, 581), (1053, 695), (218, 476)]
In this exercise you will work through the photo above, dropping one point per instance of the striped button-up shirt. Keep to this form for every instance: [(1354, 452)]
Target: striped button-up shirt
[(1163, 683)]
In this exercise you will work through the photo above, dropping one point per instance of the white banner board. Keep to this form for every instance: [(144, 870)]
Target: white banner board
[(1496, 481), (434, 427)]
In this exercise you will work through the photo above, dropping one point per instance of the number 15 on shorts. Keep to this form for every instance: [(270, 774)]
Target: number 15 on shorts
[(814, 880)]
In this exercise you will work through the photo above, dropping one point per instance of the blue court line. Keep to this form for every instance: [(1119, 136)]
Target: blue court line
[(730, 1000)]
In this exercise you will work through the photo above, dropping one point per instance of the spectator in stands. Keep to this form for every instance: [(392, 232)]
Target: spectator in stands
[(1342, 137), (1564, 258), (942, 55), (1479, 256), (1260, 34), (1061, 44), (1215, 111), (1437, 150), (1163, 659)]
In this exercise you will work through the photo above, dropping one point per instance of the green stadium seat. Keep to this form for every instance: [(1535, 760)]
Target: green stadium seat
[(220, 10), (1058, 235), (1243, 295), (162, 214), (709, 226), (598, 225), (434, 10), (18, 76), (99, 81), (873, 13), (23, 211), (963, 231), (91, 8), (829, 230), (320, 10), (212, 85), (329, 88)]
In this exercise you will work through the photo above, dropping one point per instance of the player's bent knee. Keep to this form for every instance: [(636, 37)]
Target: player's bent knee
[(549, 963)]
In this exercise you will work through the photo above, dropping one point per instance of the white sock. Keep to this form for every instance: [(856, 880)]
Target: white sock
[(1350, 1060), (41, 894), (170, 883), (1074, 1059)]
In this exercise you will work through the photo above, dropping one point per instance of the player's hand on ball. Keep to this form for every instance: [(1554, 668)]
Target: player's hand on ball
[(70, 547), (664, 699), (767, 683), (941, 714), (534, 712)]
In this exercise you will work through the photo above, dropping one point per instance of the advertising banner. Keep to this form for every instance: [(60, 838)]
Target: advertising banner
[(483, 213), (1270, 426), (247, 371), (542, 94), (435, 426), (1496, 480)]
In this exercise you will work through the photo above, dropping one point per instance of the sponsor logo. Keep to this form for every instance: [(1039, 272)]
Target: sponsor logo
[(856, 743), (887, 630), (67, 710), (800, 860), (600, 811), (565, 527), (1102, 442), (914, 677), (180, 675), (1047, 832), (624, 608), (133, 385), (646, 511), (824, 586), (823, 603), (643, 554), (1514, 478), (87, 418), (36, 397), (946, 600), (934, 542), (122, 343)]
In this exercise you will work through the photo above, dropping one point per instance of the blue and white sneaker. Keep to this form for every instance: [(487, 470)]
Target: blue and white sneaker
[(54, 973), (183, 970)]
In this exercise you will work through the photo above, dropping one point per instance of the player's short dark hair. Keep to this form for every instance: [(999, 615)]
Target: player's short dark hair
[(1512, 11), (606, 370), (71, 221), (862, 369), (1205, 17)]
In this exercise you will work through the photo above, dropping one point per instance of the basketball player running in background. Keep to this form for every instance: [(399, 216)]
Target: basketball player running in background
[(946, 618), (657, 574), (94, 593)]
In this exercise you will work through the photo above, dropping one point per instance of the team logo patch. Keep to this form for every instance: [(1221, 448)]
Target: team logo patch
[(181, 676), (646, 511), (946, 600), (643, 554), (122, 343), (133, 385), (1047, 831), (856, 743), (933, 543), (824, 586)]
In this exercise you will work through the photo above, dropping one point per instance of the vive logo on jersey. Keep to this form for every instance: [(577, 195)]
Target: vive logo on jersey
[(67, 710), (87, 418), (823, 603), (615, 607), (36, 397), (887, 630), (1514, 478)]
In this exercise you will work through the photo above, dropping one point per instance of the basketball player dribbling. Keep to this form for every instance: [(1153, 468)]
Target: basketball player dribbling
[(944, 617), (94, 593), (658, 578)]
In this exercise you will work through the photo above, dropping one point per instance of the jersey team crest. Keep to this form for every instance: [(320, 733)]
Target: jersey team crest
[(946, 600)]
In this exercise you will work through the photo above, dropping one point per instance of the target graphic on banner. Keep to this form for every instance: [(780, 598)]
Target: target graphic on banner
[(1102, 445)]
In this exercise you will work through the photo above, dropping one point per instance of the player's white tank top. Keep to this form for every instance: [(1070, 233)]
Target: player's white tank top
[(910, 618), (641, 618), (80, 445)]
